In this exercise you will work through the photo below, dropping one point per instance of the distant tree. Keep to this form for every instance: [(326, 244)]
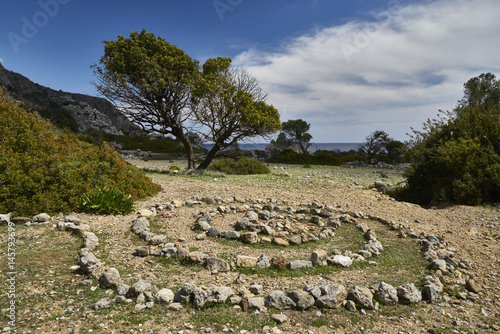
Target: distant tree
[(375, 144), (483, 90), (230, 104), (295, 132), (150, 81), (395, 150)]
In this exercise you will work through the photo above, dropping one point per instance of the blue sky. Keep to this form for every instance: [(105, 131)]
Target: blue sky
[(348, 67)]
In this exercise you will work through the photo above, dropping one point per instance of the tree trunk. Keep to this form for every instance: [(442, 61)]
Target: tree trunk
[(188, 147), (210, 156)]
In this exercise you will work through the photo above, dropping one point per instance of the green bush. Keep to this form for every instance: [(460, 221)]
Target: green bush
[(43, 169), (107, 201), (289, 156), (457, 159), (243, 166)]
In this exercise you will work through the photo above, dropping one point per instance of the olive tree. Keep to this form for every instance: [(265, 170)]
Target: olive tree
[(150, 81), (230, 105), (295, 132)]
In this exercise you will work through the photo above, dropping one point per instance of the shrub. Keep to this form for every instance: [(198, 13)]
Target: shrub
[(288, 156), (107, 201), (243, 166), (457, 159), (43, 169)]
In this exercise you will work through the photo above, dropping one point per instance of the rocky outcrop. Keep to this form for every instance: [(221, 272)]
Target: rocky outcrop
[(78, 112)]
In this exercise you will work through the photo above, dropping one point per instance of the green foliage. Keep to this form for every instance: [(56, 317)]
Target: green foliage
[(46, 170), (230, 104), (143, 143), (295, 132), (289, 156), (243, 166), (456, 158), (152, 80), (107, 201)]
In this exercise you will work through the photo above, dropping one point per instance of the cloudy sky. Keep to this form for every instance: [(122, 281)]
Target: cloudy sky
[(348, 67)]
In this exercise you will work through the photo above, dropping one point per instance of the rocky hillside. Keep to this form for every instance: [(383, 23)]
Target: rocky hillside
[(78, 112)]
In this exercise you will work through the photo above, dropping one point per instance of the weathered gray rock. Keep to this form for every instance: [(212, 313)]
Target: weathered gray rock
[(386, 294), (122, 289), (142, 251), (302, 299), (203, 225), (219, 294), (252, 216), (72, 219), (246, 261), (110, 278), (318, 257), (332, 295), (169, 249), (279, 318), (370, 235), (213, 232), (90, 241), (230, 234), (197, 256), (182, 253), (299, 264), (215, 264), (264, 215), (103, 303), (199, 297), (339, 260), (295, 239), (5, 219), (362, 297), (438, 264), (87, 261), (350, 306), (408, 294), (364, 253), (140, 224), (165, 296), (256, 302), (473, 286), (278, 299), (242, 224), (256, 289), (140, 287), (315, 219), (374, 247), (183, 295), (158, 239), (432, 293), (41, 218), (263, 262), (249, 237)]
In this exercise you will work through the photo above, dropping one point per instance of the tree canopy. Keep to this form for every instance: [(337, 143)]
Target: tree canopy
[(295, 132), (163, 90), (230, 104)]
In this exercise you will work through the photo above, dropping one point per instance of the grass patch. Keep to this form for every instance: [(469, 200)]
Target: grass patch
[(221, 316)]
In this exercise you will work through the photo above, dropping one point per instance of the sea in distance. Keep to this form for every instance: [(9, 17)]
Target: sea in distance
[(342, 147)]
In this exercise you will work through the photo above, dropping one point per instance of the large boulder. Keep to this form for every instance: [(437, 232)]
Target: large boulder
[(110, 278), (408, 294), (386, 294), (302, 299), (362, 297), (278, 299)]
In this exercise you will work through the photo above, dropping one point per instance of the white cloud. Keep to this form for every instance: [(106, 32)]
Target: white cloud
[(391, 74), (1, 60)]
